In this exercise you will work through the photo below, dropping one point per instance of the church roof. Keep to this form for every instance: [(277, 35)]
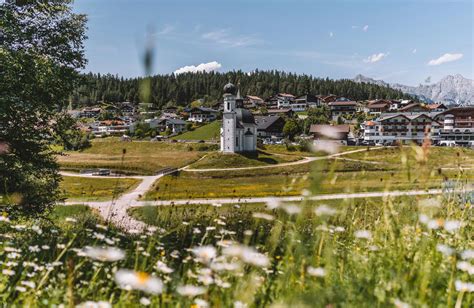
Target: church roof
[(244, 116)]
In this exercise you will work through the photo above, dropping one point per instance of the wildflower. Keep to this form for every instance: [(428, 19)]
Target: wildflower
[(37, 229), (29, 284), (324, 210), (263, 216), (162, 267), (107, 254), (247, 255), (204, 254), (363, 234), (91, 304), (131, 280), (467, 254), (464, 286), (292, 209), (20, 289), (200, 303), (399, 304), (196, 231), (239, 304), (316, 271), (273, 203), (70, 219), (465, 267), (452, 225), (34, 248), (8, 272), (444, 249), (145, 301), (210, 228), (4, 219), (190, 290), (216, 205), (45, 247)]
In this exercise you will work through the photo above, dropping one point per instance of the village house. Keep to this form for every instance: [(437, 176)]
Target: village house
[(311, 101), (436, 107), (376, 107), (414, 107), (288, 113), (270, 127), (401, 127), (90, 112), (343, 108), (116, 127), (202, 114), (280, 101), (332, 132), (458, 125), (252, 102)]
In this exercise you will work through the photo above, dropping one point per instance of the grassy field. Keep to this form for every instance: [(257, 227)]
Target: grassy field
[(95, 189), (381, 252), (206, 132), (296, 150), (434, 156), (140, 157), (219, 160), (336, 176), (187, 186)]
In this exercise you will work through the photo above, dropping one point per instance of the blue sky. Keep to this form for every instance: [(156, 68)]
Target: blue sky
[(395, 40)]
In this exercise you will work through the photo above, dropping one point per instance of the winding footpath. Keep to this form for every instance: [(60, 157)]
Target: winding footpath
[(115, 211)]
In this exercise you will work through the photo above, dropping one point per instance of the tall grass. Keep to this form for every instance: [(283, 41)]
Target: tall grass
[(370, 252)]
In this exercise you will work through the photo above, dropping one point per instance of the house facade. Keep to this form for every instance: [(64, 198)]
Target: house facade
[(270, 126), (202, 114)]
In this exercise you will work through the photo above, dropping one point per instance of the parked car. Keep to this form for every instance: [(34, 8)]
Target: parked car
[(447, 143), (102, 172)]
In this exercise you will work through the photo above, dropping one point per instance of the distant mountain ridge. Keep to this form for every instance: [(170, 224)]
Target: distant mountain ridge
[(452, 89)]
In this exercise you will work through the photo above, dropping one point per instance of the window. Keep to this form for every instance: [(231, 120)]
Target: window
[(236, 141), (228, 106)]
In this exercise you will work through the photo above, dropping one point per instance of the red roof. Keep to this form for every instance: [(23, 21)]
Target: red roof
[(343, 103)]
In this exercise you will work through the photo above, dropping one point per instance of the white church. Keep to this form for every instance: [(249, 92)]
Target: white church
[(238, 131)]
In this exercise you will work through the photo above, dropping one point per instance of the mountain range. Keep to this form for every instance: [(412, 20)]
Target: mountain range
[(452, 89)]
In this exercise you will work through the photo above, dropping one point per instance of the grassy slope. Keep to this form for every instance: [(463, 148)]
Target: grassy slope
[(95, 189), (219, 160), (209, 131), (141, 157)]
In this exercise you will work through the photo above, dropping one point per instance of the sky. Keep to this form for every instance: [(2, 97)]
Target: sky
[(405, 41)]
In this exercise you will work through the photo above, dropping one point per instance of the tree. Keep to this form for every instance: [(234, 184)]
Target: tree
[(40, 55), (291, 129)]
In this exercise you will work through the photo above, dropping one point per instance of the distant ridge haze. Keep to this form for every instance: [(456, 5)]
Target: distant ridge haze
[(452, 89)]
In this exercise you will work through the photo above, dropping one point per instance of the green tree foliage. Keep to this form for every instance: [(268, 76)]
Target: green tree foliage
[(291, 129), (180, 90), (318, 115), (40, 54)]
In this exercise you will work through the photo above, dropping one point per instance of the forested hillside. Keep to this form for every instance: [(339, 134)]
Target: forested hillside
[(182, 89)]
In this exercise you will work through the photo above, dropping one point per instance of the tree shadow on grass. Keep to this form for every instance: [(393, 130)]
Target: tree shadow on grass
[(258, 157)]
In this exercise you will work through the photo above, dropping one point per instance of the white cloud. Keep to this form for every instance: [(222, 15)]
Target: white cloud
[(166, 29), (365, 28), (375, 57), (414, 51), (203, 67), (331, 34), (447, 57), (224, 37)]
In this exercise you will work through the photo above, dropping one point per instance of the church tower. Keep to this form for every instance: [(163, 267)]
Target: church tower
[(229, 140)]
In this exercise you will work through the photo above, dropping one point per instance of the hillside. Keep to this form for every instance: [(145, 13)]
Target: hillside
[(180, 90)]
